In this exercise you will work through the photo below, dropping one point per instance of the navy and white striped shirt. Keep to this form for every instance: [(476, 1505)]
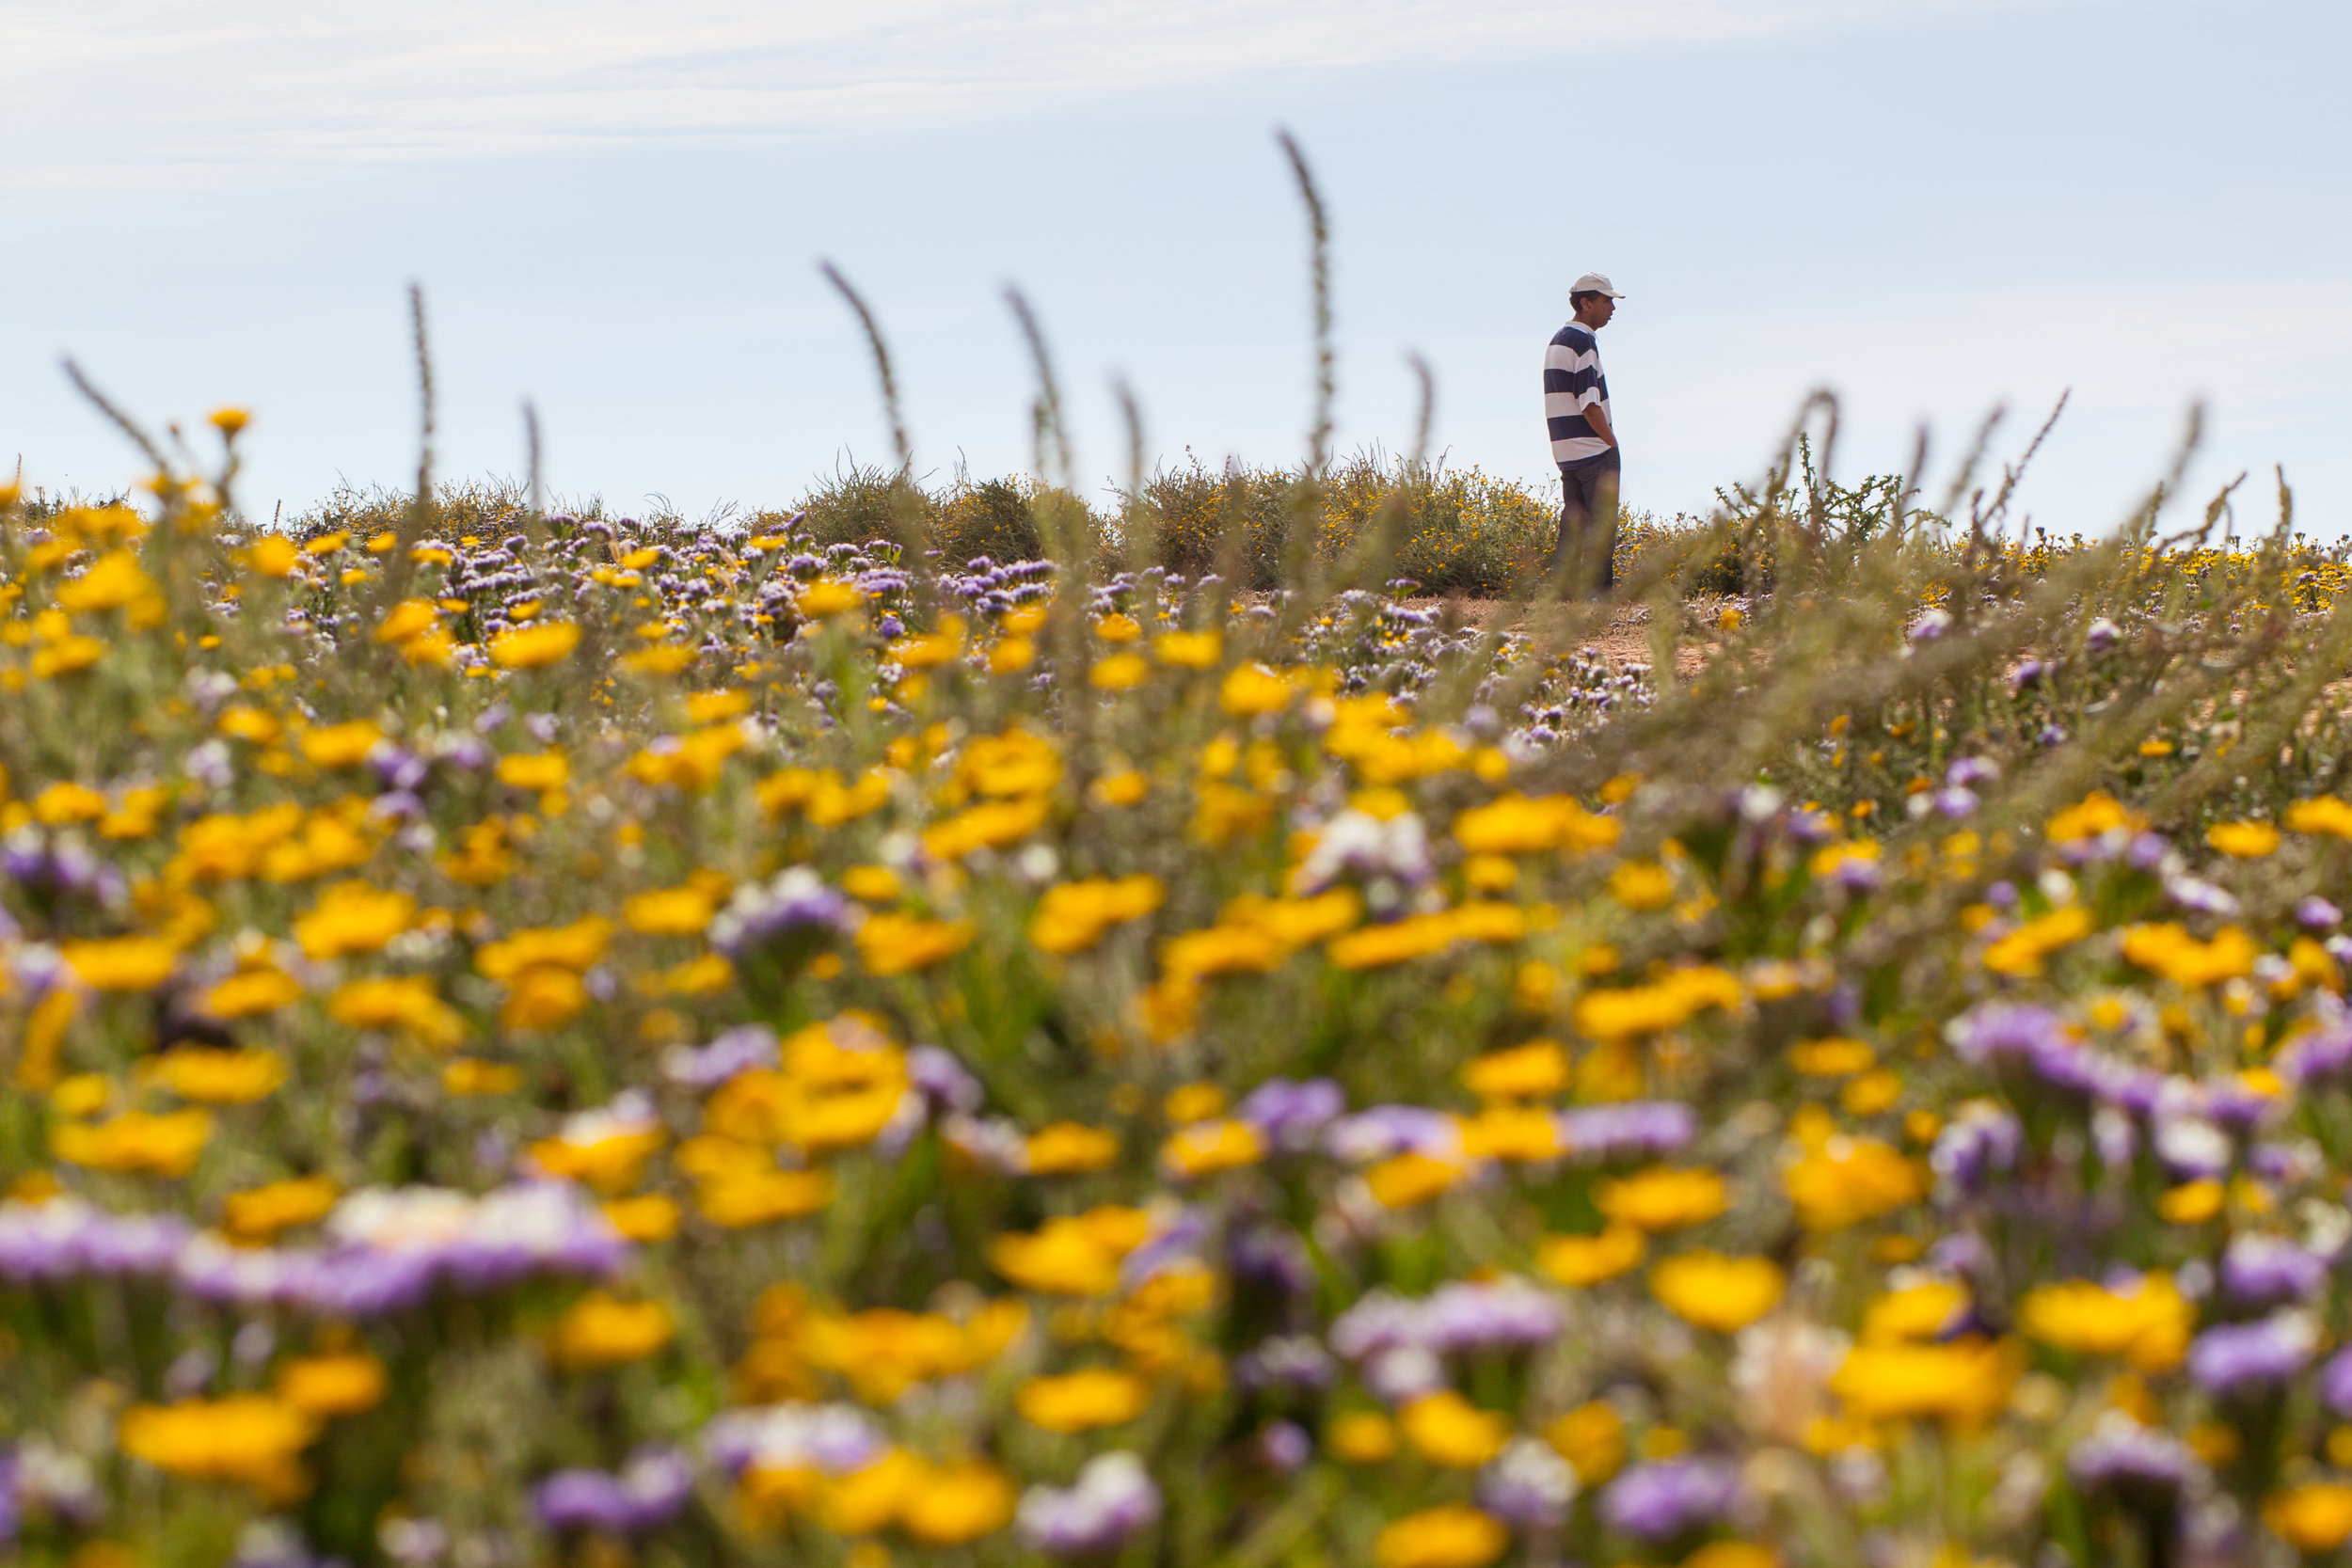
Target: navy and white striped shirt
[(1573, 382)]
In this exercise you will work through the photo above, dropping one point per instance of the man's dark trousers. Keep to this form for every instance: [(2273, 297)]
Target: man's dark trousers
[(1588, 519)]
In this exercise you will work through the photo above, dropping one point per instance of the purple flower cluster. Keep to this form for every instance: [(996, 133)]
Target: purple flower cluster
[(1292, 1114), (943, 1080), (991, 589), (1114, 1499), (2137, 1464), (2245, 1360), (1527, 1486), (731, 1052), (2030, 1042), (1355, 844), (1672, 1499), (1628, 1130), (1174, 1241), (798, 905), (1979, 1145), (1293, 1361), (1383, 1132), (389, 1250), (2322, 1054), (648, 1493), (58, 866), (67, 1239), (2270, 1271), (2335, 1383), (1398, 1340), (835, 1439)]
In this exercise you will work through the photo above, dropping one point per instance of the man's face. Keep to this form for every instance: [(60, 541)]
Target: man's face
[(1597, 310)]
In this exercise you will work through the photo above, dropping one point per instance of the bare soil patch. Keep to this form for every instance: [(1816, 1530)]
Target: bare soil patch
[(1626, 642)]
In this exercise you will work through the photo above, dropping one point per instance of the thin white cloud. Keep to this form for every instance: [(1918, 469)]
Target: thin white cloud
[(92, 86)]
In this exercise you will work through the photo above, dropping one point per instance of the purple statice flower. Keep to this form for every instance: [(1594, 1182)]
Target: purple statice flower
[(2089, 1075), (1384, 1130), (2314, 913), (2322, 1053), (1295, 1361), (1292, 1114), (1285, 1446), (2115, 1135), (730, 1051), (1356, 844), (1527, 1486), (389, 1248), (941, 1078), (657, 1480), (1628, 1130), (1811, 827), (1402, 1373), (1272, 1255), (1172, 1242), (1502, 1314), (396, 805), (1114, 1499), (2191, 1147), (9, 1521), (466, 751), (2270, 1271), (580, 1499), (395, 766), (1380, 1320), (1671, 1499), (38, 1475), (2235, 1105), (2199, 896), (2291, 1164), (835, 1439), (358, 1283), (1930, 624), (1979, 1145), (2103, 634), (796, 904), (67, 1239), (2142, 1465), (1856, 875), (1464, 1317), (208, 1268), (995, 1144), (1997, 1032), (276, 1544), (2335, 1383), (57, 868), (2238, 1360), (2027, 673), (417, 1543), (2022, 1036), (1969, 773), (1956, 803)]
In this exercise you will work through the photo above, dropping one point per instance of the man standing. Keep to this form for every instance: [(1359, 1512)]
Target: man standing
[(1583, 443)]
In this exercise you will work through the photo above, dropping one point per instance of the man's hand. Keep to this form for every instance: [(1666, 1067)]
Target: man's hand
[(1599, 419)]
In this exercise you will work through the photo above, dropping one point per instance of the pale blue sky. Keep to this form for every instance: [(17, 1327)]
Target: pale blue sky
[(615, 210)]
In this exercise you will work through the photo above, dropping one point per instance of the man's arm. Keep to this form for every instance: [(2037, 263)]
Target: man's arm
[(1597, 417)]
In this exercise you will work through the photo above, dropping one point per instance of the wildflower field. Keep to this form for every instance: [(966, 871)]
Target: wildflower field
[(532, 1038)]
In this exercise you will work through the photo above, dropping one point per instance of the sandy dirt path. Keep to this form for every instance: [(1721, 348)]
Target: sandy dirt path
[(1626, 642)]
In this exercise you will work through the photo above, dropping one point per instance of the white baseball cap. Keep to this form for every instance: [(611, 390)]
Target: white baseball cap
[(1595, 283)]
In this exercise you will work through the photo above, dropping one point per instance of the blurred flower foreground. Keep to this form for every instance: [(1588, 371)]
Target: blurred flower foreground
[(542, 1039)]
